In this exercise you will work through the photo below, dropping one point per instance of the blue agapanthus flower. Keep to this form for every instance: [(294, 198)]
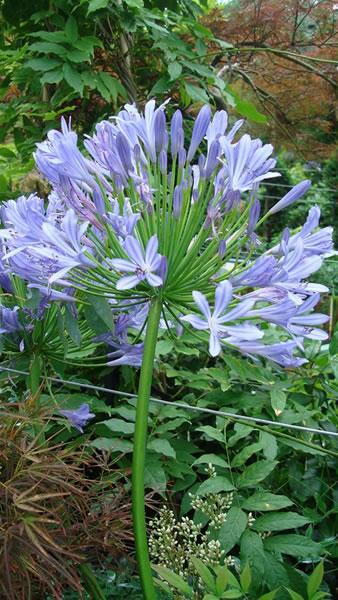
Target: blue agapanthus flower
[(79, 417), (144, 214)]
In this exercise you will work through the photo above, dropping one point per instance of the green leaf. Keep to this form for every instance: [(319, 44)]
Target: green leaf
[(204, 573), (246, 371), (213, 433), (42, 64), (161, 446), (71, 29), (50, 36), (103, 309), (256, 473), (195, 93), (221, 580), (154, 475), (264, 501), (119, 425), (232, 529), (268, 444), (315, 579), (245, 454), (214, 485), (212, 459), (164, 347), (294, 595), (52, 76), (73, 78), (95, 5), (269, 595), (174, 70), (278, 399), (78, 56), (252, 552), (112, 445), (48, 48), (245, 578), (161, 85), (299, 546), (175, 580), (232, 594), (72, 326), (280, 521)]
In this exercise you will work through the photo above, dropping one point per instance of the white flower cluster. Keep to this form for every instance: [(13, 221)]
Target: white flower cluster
[(214, 506), (173, 542)]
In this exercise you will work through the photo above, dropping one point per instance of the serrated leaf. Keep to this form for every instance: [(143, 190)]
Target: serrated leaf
[(42, 64), (232, 529), (246, 371), (112, 445), (212, 459), (95, 5), (214, 485), (174, 70), (48, 48), (315, 579), (119, 425), (255, 473), (280, 521), (71, 29), (195, 93), (73, 78), (52, 77), (50, 36), (264, 501), (175, 580), (161, 446), (232, 594), (299, 546), (161, 85), (72, 326), (204, 573), (78, 56)]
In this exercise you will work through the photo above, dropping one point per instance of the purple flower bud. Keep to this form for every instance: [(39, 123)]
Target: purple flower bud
[(163, 268), (160, 130), (182, 156), (254, 213), (177, 202), (294, 194), (123, 150), (163, 161), (201, 164), (176, 133), (200, 128), (222, 248), (212, 158)]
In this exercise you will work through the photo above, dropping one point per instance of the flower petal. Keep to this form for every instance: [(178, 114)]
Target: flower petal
[(154, 280), (214, 345), (196, 322), (125, 283), (133, 248), (202, 303), (222, 297)]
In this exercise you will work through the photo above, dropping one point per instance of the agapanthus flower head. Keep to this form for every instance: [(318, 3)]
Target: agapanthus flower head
[(149, 216)]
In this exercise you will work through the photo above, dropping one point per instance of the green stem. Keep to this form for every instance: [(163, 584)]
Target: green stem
[(139, 452)]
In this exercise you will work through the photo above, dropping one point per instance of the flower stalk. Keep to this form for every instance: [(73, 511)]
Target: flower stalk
[(139, 451)]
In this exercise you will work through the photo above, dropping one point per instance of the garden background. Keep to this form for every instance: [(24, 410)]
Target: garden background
[(254, 491)]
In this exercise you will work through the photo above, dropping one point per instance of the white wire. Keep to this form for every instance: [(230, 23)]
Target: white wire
[(181, 405)]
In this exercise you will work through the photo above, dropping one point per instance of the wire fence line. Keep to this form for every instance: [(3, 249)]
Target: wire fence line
[(210, 411), (275, 184)]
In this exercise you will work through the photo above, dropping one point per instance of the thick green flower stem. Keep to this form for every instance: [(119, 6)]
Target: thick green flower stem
[(139, 452)]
